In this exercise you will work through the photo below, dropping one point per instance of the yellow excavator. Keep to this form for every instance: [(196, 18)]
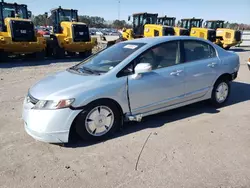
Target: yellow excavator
[(170, 21), (226, 37), (194, 25), (69, 36), (17, 32)]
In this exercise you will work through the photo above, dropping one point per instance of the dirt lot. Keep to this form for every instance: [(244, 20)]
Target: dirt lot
[(194, 146)]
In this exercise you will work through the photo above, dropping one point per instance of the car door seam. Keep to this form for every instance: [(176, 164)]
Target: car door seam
[(127, 90)]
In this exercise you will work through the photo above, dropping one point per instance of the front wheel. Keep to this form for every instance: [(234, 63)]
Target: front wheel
[(98, 121), (220, 93)]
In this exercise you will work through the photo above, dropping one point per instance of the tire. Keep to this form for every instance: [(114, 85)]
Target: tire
[(58, 53), (71, 54), (4, 56), (85, 54), (40, 55), (95, 129), (221, 89)]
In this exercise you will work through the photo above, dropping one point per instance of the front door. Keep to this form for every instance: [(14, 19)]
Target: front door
[(201, 64), (161, 87)]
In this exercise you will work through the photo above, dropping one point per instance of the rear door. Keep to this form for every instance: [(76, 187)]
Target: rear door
[(201, 68)]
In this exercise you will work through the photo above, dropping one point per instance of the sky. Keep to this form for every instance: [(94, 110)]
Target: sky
[(228, 10)]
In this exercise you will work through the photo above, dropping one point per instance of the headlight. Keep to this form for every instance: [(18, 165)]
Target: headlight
[(53, 104)]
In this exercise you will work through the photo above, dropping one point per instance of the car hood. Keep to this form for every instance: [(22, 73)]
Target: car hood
[(62, 84)]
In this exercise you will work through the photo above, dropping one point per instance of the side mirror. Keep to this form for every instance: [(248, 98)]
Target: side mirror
[(142, 68), (29, 14), (129, 18)]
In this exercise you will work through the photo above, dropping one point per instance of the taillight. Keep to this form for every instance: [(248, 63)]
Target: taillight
[(249, 59)]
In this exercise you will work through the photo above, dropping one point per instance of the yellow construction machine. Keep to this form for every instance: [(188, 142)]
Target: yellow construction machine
[(170, 21), (17, 32), (144, 25), (68, 35), (194, 25), (226, 38)]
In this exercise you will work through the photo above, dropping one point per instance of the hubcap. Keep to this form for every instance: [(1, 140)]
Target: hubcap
[(221, 92), (99, 120)]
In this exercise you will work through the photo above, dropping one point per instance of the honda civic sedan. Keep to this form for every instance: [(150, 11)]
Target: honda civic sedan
[(126, 82)]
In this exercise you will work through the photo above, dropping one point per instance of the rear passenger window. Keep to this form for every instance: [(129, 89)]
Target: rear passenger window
[(195, 50)]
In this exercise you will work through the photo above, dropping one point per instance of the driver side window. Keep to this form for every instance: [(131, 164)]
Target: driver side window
[(159, 56)]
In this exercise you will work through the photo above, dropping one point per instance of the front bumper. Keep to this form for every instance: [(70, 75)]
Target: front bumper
[(52, 126)]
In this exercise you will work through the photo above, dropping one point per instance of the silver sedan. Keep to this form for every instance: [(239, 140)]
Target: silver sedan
[(126, 82)]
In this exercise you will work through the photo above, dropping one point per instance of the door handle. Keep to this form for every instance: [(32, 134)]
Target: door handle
[(176, 73), (212, 64), (179, 71), (173, 73)]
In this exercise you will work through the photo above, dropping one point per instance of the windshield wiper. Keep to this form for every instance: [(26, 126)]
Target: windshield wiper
[(85, 69), (90, 70)]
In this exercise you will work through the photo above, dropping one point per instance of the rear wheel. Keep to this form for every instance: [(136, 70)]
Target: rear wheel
[(4, 56), (98, 121), (220, 93), (71, 54), (85, 54), (58, 52), (40, 55)]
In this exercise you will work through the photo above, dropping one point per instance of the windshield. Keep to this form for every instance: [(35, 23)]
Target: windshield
[(142, 19), (11, 10), (190, 23), (215, 25), (65, 15), (107, 59)]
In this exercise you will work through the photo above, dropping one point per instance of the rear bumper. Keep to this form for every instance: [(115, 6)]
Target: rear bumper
[(7, 45), (78, 46), (71, 46)]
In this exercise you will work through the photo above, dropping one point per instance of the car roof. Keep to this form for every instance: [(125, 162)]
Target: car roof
[(157, 40)]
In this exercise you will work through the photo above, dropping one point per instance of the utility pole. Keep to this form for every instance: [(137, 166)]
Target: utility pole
[(119, 2)]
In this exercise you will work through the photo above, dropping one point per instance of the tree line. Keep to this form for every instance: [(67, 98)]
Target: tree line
[(99, 22), (91, 21)]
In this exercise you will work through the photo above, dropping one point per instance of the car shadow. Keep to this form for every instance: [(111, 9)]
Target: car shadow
[(240, 92), (13, 63)]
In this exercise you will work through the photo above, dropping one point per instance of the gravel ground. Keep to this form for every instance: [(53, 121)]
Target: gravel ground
[(193, 146)]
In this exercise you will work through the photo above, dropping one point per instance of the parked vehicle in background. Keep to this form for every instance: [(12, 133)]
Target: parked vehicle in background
[(126, 82), (170, 21), (17, 32), (194, 25), (69, 35), (225, 37)]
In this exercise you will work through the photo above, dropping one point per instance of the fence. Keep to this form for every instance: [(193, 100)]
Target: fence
[(245, 38)]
